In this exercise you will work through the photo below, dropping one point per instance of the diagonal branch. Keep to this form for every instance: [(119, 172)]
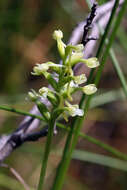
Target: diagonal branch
[(87, 26)]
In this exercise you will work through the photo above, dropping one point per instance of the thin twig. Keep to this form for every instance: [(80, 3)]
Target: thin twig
[(17, 175)]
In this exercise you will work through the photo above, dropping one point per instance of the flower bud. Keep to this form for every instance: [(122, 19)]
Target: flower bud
[(47, 115), (91, 62), (32, 96), (57, 34), (89, 89), (61, 48)]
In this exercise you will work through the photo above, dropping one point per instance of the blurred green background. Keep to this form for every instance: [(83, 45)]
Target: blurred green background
[(26, 39)]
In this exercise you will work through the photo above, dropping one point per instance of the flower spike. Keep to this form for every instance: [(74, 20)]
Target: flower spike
[(65, 83)]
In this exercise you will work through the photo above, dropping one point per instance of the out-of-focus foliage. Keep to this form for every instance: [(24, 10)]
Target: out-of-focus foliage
[(25, 39)]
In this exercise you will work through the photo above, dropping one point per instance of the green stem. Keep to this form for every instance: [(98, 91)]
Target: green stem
[(62, 169), (46, 153), (20, 112), (86, 137), (101, 45), (111, 39), (116, 66), (98, 75), (119, 71)]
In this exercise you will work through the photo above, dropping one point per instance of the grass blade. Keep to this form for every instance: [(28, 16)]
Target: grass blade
[(100, 159)]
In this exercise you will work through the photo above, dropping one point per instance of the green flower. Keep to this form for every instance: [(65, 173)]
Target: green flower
[(91, 62), (75, 49), (44, 92), (89, 89), (50, 94), (79, 48), (39, 69), (33, 95), (76, 57), (57, 34), (80, 79), (74, 110)]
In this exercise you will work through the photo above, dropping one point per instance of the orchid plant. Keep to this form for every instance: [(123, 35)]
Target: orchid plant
[(62, 80)]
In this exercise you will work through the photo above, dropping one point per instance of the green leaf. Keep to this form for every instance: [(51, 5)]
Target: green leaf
[(100, 159)]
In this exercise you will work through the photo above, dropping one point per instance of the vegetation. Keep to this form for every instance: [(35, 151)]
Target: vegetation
[(65, 117)]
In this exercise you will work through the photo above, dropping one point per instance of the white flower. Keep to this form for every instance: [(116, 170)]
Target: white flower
[(79, 48), (74, 110), (44, 92), (91, 62), (73, 84), (41, 68), (80, 79), (89, 89), (65, 87)]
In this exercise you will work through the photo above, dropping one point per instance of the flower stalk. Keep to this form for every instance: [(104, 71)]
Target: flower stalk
[(63, 85)]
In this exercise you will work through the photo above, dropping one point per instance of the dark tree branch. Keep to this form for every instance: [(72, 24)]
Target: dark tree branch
[(87, 26)]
